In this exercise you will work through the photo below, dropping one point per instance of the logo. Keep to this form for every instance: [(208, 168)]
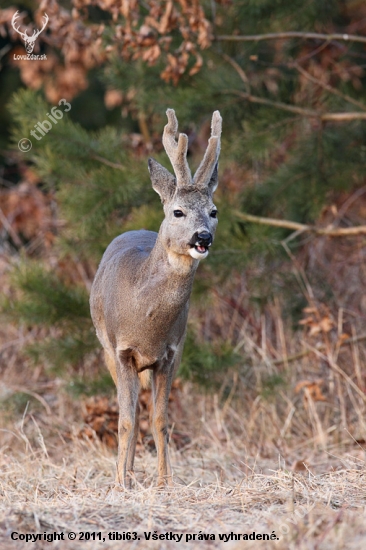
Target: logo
[(25, 144), (29, 41)]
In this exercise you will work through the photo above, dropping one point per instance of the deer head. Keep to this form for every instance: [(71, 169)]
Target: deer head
[(190, 214), (28, 40)]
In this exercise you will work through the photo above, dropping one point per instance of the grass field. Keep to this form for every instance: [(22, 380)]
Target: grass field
[(54, 481), (277, 450)]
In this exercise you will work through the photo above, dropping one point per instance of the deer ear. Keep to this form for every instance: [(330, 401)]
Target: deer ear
[(162, 180), (214, 180)]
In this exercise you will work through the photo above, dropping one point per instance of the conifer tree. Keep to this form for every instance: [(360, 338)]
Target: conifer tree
[(294, 135)]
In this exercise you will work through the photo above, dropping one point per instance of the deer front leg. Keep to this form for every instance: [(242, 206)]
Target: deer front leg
[(161, 385), (132, 446), (127, 390)]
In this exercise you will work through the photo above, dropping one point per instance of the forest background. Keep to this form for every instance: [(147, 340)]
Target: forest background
[(275, 352)]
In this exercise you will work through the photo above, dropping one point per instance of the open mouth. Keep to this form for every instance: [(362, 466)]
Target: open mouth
[(201, 248), (198, 251), (199, 245)]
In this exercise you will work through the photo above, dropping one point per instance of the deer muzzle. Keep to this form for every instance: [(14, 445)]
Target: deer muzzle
[(201, 242)]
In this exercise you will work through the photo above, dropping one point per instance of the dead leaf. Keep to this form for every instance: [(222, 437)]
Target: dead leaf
[(113, 98), (299, 466), (313, 390), (101, 419)]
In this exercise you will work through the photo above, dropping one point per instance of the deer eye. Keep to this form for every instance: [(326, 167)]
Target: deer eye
[(178, 213), (214, 214)]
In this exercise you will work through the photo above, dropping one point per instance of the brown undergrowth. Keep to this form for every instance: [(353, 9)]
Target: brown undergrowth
[(278, 463), (276, 445)]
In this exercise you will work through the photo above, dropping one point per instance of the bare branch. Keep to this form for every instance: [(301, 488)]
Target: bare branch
[(329, 231), (239, 70), (338, 369), (276, 104), (39, 398), (285, 224), (291, 34), (311, 113), (329, 88), (8, 227), (108, 162), (304, 353), (343, 117)]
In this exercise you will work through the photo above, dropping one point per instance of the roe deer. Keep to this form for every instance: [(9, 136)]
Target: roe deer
[(140, 296)]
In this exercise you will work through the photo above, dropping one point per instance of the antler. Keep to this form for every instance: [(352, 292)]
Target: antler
[(206, 168), (45, 17), (29, 40), (177, 151), (14, 18)]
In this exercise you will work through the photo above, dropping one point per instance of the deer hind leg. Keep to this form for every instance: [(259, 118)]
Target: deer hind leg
[(132, 447), (161, 385), (111, 364), (127, 389)]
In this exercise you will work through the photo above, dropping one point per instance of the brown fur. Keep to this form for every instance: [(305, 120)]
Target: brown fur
[(140, 296)]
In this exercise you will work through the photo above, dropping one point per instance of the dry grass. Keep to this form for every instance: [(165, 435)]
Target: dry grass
[(49, 484), (290, 400)]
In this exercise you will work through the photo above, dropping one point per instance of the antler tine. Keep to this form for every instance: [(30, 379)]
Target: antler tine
[(177, 151), (45, 17), (13, 20), (204, 171), (36, 33)]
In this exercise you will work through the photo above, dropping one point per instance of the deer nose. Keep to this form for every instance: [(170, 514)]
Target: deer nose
[(204, 239)]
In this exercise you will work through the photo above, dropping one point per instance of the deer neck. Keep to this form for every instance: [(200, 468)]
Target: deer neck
[(171, 270)]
